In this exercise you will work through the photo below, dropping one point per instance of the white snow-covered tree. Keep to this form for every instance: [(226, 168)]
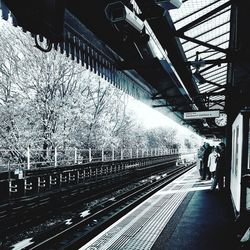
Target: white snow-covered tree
[(47, 101), (57, 102)]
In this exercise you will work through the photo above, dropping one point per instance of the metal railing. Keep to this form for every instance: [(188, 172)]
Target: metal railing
[(35, 158)]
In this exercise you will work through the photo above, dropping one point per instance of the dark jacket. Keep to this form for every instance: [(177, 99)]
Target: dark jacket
[(206, 155), (221, 164)]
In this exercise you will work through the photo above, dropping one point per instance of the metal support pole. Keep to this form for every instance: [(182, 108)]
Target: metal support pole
[(131, 153), (137, 153)]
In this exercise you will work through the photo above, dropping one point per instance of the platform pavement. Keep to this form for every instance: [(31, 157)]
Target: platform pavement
[(183, 215), (204, 221)]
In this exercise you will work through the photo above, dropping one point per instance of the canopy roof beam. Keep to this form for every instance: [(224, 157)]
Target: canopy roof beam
[(202, 18), (205, 44)]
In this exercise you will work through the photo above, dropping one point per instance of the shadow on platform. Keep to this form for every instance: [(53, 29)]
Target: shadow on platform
[(204, 221)]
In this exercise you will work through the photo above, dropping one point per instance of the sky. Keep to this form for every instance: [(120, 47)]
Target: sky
[(151, 118)]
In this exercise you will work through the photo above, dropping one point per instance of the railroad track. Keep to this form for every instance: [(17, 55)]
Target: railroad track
[(15, 214), (83, 229), (18, 215)]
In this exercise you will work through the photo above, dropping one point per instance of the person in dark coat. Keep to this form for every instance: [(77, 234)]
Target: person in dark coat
[(220, 168), (205, 171), (199, 160)]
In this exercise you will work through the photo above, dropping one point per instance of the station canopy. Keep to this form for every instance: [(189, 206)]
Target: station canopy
[(204, 32), (213, 30), (176, 58)]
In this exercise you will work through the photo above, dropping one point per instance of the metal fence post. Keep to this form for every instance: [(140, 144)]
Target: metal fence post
[(113, 154), (28, 157), (75, 156), (55, 156), (102, 154), (131, 153), (90, 157), (137, 153), (121, 154)]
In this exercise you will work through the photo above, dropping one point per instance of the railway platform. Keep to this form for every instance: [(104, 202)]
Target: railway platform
[(182, 215)]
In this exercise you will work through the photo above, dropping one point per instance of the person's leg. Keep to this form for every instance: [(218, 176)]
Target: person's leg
[(221, 182), (204, 172), (214, 183), (200, 170), (208, 174), (213, 174)]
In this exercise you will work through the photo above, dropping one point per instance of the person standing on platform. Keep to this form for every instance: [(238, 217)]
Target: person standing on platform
[(199, 159), (212, 160), (220, 168), (205, 170)]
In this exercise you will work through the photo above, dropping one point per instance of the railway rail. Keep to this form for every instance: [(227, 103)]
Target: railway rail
[(83, 229)]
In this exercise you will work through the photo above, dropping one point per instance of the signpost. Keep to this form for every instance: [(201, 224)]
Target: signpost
[(201, 114)]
